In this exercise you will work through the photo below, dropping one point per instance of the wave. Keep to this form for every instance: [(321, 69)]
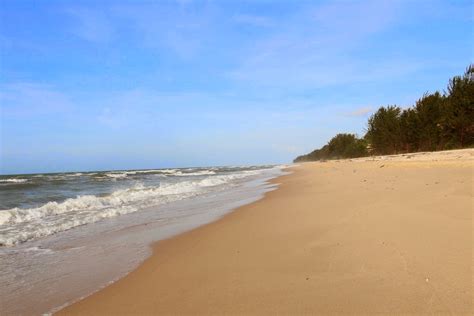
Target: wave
[(156, 171), (13, 180), (18, 225), (117, 175), (167, 172), (197, 173)]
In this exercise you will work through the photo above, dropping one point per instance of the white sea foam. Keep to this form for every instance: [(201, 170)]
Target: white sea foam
[(13, 180), (18, 225), (116, 175), (165, 171), (171, 172), (198, 173), (5, 217), (124, 174), (156, 171), (168, 170)]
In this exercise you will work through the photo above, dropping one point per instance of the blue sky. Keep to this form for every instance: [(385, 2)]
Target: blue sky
[(88, 85)]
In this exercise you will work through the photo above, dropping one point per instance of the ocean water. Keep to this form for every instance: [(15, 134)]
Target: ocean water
[(66, 235)]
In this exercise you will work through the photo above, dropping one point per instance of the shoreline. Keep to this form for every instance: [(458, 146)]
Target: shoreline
[(91, 257), (345, 254), (260, 188), (272, 186), (266, 186)]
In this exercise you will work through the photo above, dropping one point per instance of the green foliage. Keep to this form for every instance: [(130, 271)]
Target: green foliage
[(428, 114), (340, 146), (436, 122), (384, 131), (346, 146), (409, 125), (458, 112)]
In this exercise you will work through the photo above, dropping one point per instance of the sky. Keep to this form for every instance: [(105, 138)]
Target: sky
[(102, 85)]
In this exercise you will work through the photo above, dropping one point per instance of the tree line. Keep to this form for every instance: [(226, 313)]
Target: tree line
[(438, 121)]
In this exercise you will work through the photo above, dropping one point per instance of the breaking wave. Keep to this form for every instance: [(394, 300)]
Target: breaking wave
[(21, 224), (13, 180)]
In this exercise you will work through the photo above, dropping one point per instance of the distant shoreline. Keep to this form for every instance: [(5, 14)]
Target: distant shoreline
[(385, 234)]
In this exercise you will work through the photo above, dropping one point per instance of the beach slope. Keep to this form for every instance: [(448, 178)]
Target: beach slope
[(372, 235)]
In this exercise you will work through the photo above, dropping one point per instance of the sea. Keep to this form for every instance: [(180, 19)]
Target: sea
[(64, 236)]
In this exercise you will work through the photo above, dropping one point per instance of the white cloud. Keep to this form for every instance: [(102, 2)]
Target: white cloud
[(363, 111)]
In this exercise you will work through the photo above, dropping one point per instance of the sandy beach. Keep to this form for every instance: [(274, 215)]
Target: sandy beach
[(371, 235)]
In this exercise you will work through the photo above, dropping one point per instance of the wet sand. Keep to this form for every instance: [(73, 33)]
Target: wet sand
[(372, 235)]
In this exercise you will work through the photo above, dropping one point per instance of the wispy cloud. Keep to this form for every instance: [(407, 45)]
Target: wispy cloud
[(30, 99), (167, 27), (253, 20), (178, 79), (363, 111), (318, 46), (91, 25), (157, 26), (356, 19), (112, 119)]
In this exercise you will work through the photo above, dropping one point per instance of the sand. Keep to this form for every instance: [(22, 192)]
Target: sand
[(364, 236)]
